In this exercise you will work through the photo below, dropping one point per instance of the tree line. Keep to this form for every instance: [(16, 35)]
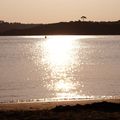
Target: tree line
[(79, 27)]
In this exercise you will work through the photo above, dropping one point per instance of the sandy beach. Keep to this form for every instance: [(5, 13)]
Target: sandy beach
[(102, 109), (50, 105)]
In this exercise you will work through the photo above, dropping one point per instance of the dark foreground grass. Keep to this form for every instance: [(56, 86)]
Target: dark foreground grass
[(95, 111)]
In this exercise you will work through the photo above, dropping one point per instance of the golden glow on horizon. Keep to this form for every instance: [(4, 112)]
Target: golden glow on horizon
[(46, 11)]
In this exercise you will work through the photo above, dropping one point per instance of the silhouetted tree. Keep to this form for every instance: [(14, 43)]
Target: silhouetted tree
[(83, 18)]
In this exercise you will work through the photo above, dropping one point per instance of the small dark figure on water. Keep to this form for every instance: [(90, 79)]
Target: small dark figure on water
[(45, 37)]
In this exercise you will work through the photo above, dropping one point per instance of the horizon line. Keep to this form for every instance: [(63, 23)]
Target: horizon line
[(4, 21)]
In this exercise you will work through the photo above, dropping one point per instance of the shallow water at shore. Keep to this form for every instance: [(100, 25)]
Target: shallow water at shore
[(34, 68)]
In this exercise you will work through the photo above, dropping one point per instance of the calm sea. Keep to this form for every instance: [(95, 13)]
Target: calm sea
[(35, 68)]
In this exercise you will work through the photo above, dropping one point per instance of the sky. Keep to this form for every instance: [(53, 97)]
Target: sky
[(51, 11)]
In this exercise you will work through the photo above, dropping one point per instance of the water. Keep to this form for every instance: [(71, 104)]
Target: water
[(59, 67)]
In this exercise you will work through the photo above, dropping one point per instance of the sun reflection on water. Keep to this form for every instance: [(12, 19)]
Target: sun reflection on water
[(64, 86), (59, 59), (59, 51), (65, 89)]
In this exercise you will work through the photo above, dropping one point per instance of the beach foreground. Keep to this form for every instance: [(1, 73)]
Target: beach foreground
[(72, 110)]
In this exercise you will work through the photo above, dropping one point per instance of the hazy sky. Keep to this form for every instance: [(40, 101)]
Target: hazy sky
[(49, 11)]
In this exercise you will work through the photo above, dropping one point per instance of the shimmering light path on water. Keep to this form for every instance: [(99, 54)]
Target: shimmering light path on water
[(59, 67)]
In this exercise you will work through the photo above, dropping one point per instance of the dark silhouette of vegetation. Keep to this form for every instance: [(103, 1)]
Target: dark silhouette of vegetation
[(102, 106), (83, 18), (6, 26), (62, 28), (95, 111)]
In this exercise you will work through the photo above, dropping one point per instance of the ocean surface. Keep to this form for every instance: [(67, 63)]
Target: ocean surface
[(35, 68)]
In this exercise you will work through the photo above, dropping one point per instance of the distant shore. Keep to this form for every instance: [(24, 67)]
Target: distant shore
[(73, 110), (61, 28)]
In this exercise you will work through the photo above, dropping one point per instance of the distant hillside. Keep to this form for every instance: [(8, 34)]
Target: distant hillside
[(6, 26), (63, 28)]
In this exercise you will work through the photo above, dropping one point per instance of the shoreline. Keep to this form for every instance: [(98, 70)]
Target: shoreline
[(105, 109), (30, 106)]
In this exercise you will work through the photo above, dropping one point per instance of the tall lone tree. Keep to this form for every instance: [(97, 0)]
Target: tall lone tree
[(83, 18)]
